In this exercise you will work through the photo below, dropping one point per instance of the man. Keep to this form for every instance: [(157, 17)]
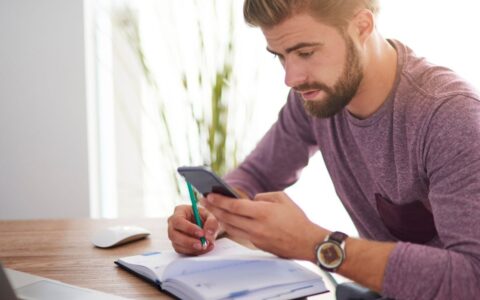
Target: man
[(400, 138)]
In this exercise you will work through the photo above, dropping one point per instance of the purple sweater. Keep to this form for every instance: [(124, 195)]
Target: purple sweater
[(410, 173)]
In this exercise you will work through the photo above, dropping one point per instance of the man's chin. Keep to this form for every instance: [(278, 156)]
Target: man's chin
[(320, 109), (314, 109)]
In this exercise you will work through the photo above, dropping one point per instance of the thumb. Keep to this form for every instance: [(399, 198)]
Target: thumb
[(204, 213), (211, 228), (210, 224), (273, 197)]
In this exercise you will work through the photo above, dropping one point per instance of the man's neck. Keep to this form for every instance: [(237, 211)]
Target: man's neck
[(378, 80)]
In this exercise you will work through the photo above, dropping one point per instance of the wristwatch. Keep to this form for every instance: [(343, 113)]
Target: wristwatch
[(331, 252)]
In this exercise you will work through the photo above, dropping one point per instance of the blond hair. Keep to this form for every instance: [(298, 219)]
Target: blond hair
[(268, 13)]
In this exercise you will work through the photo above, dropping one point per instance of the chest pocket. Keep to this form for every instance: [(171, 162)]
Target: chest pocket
[(411, 222)]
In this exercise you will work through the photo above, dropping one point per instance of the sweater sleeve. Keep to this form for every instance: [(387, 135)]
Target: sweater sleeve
[(277, 160), (451, 161)]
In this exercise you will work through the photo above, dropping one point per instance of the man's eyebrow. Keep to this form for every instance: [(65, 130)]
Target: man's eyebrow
[(301, 45), (273, 52), (296, 47)]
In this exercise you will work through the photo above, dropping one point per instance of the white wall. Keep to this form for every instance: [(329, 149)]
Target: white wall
[(43, 123)]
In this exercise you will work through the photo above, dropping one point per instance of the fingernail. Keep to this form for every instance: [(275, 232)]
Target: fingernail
[(197, 246), (210, 232), (209, 198), (199, 234), (205, 246)]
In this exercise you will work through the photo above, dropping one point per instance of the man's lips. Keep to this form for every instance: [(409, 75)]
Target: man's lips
[(310, 95)]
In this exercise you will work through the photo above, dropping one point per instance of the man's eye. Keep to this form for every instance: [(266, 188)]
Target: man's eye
[(305, 54)]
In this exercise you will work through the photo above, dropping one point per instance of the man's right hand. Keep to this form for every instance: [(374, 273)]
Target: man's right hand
[(185, 234)]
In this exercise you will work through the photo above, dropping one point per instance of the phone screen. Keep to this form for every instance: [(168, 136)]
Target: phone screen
[(206, 182)]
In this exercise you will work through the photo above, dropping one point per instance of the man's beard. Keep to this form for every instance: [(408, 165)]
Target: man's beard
[(342, 92)]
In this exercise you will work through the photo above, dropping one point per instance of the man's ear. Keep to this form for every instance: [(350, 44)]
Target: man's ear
[(363, 24)]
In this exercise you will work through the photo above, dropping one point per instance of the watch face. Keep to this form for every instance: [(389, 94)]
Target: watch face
[(330, 255)]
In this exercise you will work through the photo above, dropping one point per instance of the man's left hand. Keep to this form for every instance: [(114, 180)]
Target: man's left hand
[(271, 221)]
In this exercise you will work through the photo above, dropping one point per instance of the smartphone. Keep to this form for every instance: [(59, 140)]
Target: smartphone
[(206, 182)]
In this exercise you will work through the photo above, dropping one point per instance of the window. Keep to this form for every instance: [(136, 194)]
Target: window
[(157, 66)]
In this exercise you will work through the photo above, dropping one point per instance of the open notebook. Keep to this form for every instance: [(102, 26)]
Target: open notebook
[(230, 271)]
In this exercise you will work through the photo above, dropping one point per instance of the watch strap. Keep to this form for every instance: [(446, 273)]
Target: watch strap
[(337, 236)]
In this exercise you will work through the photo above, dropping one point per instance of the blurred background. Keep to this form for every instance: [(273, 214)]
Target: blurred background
[(100, 101)]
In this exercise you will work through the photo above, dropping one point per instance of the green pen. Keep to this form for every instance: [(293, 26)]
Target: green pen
[(198, 220)]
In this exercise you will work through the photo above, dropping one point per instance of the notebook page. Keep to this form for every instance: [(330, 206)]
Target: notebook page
[(245, 278), (226, 252), (150, 265), (154, 265)]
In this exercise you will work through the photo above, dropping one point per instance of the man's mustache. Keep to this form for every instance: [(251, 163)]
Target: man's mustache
[(313, 86)]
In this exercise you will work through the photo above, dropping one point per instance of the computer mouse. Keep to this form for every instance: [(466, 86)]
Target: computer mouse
[(118, 235)]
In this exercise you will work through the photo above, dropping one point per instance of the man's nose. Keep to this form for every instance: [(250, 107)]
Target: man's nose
[(295, 74)]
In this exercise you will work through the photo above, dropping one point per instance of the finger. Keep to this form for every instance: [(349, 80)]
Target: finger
[(211, 227), (219, 196), (185, 250), (236, 232), (210, 224), (192, 250), (246, 224), (204, 213), (179, 237), (219, 213), (184, 211), (182, 231), (240, 207), (186, 224)]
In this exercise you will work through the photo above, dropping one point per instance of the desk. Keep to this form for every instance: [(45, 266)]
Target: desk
[(61, 250)]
